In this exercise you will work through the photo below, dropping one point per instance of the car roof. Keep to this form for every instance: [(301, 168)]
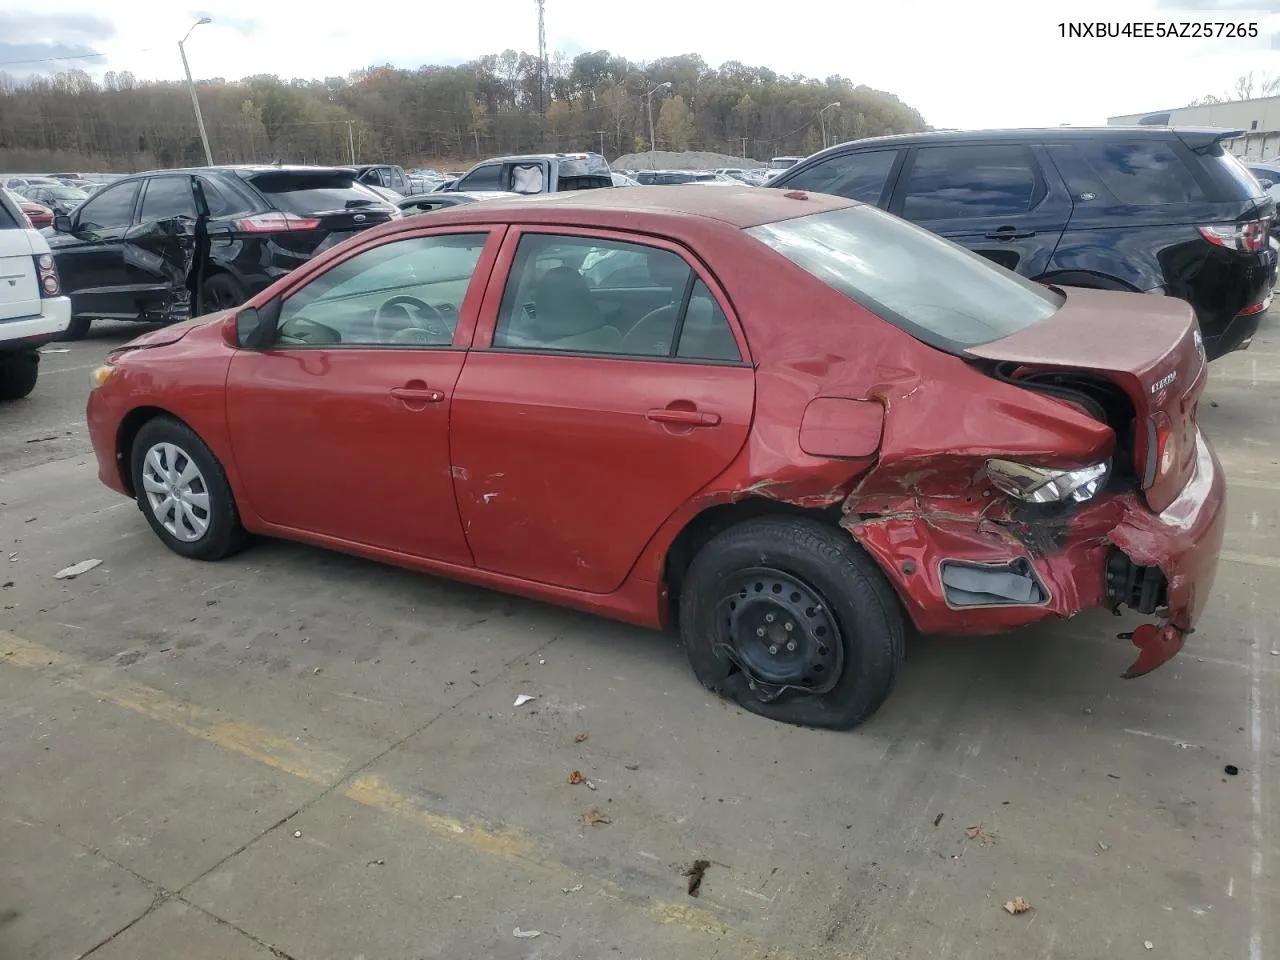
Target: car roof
[(581, 155), (1029, 133), (649, 209), (245, 168)]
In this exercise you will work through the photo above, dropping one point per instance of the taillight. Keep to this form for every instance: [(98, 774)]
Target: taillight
[(1248, 237), (1160, 448), (276, 223), (47, 271)]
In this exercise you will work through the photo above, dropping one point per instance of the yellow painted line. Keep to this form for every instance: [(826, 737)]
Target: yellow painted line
[(318, 766), (1250, 559), (289, 756)]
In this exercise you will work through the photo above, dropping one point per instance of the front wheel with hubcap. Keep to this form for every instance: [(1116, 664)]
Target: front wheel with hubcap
[(792, 620), (182, 490)]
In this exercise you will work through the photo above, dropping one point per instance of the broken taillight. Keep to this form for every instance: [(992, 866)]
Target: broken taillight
[(277, 223), (1161, 448), (1247, 237)]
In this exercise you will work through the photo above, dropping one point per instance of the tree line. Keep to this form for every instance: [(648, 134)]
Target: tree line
[(436, 115)]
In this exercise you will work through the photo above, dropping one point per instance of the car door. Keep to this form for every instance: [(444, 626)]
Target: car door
[(91, 261), (572, 441), (1001, 200), (340, 427), (486, 176), (159, 247)]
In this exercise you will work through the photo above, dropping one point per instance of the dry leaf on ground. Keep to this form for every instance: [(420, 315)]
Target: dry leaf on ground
[(580, 738), (594, 817), (1017, 905), (575, 777)]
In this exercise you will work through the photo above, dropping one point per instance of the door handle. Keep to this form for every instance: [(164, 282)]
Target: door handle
[(417, 394), (1010, 233), (684, 418)]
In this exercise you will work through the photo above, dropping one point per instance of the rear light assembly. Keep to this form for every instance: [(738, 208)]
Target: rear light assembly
[(47, 274), (1247, 237), (276, 222), (1160, 448)]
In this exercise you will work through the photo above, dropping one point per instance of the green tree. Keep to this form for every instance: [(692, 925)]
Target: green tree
[(675, 126)]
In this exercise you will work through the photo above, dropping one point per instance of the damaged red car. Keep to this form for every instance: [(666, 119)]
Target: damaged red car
[(784, 423)]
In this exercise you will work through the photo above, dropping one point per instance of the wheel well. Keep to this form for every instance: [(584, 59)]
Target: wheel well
[(714, 520), (133, 421), (1090, 281)]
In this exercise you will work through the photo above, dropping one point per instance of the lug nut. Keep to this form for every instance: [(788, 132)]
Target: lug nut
[(768, 618), (773, 649), (791, 645), (789, 626), (759, 631)]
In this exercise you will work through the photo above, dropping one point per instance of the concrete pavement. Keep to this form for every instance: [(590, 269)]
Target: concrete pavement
[(294, 753)]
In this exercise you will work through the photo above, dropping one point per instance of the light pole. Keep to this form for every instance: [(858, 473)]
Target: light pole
[(822, 120), (195, 103), (648, 99)]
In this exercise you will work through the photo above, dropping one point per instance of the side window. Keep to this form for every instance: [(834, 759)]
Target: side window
[(582, 295), (404, 294), (705, 334), (485, 177), (222, 202), (1142, 172), (946, 183), (858, 176), (168, 197), (528, 178), (109, 208), (398, 183)]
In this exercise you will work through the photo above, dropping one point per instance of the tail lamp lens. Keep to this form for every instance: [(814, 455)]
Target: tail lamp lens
[(47, 271)]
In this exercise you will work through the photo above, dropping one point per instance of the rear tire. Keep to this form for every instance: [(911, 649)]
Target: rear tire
[(221, 292), (183, 491), (843, 624), (77, 329), (18, 373)]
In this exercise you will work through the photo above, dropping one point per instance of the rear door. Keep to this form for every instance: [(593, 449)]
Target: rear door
[(486, 176), (1002, 200), (158, 249), (91, 259), (571, 441), (19, 290)]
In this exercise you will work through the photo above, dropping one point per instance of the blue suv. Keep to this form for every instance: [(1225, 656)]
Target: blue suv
[(1149, 209)]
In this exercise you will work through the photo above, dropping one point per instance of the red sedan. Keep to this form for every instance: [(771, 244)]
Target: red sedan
[(784, 422), (39, 215)]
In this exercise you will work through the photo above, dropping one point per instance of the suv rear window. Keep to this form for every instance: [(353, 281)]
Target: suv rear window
[(934, 289), (312, 192), (1142, 171)]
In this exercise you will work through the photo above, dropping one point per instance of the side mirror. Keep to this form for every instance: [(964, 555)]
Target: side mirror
[(202, 202), (251, 328), (62, 223)]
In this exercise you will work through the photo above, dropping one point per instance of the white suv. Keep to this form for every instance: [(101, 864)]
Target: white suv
[(33, 310)]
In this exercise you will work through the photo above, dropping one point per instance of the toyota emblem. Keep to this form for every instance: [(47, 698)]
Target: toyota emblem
[(359, 218)]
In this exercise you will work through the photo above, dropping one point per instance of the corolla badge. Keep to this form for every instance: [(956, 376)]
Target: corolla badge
[(1164, 382)]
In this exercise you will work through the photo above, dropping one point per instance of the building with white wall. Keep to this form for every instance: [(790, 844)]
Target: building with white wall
[(1258, 119)]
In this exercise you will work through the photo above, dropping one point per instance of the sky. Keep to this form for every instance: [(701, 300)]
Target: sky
[(980, 63)]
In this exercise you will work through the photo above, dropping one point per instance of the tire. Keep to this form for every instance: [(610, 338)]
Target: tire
[(842, 593), (221, 292), (163, 448), (18, 374), (77, 329)]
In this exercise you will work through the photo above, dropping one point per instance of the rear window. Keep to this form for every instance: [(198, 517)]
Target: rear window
[(313, 192), (1144, 171), (1239, 174), (936, 290)]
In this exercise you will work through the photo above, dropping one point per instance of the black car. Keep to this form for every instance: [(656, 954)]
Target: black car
[(1149, 209), (665, 177), (171, 243)]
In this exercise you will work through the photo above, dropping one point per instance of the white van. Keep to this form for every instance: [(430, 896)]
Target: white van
[(33, 310)]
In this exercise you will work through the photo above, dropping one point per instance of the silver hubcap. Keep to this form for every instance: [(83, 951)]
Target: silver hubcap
[(176, 491)]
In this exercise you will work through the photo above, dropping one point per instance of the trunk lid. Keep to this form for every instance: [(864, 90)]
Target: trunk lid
[(19, 286), (1147, 345)]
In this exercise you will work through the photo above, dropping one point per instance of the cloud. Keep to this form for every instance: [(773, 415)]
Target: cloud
[(54, 29), (21, 58)]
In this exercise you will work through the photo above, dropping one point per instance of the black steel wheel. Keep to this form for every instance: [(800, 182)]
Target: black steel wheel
[(792, 620)]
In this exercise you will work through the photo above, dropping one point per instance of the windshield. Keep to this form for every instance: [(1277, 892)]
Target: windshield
[(936, 290), (781, 163), (67, 193)]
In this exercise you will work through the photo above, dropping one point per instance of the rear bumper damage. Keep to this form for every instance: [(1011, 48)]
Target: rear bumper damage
[(971, 564)]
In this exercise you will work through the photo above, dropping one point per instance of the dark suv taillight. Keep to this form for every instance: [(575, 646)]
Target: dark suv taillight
[(1247, 237), (47, 275)]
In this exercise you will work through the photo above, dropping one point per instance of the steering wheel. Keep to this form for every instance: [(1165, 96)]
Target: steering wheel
[(651, 336), (427, 321)]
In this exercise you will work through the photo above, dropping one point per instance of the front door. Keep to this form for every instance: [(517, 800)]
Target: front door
[(91, 259), (340, 428), (581, 422), (1001, 200)]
